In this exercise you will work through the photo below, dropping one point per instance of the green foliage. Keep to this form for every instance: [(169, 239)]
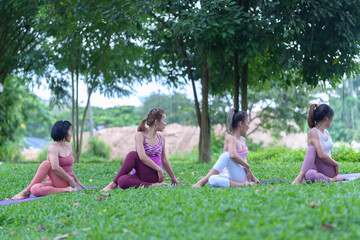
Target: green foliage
[(178, 108), (19, 37), (10, 152), (119, 116), (343, 153), (345, 101), (279, 155), (21, 113), (43, 154), (98, 151)]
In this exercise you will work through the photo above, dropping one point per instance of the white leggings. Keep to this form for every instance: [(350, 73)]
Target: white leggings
[(235, 172)]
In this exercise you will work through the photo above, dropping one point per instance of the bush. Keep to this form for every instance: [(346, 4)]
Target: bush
[(343, 153), (98, 151), (10, 152), (279, 154), (43, 154)]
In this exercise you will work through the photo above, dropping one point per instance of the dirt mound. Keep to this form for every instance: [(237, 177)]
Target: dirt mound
[(122, 140), (178, 138)]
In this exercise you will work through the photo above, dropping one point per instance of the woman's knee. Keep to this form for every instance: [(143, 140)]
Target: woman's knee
[(45, 164), (123, 181), (310, 175), (217, 181), (36, 190), (132, 154)]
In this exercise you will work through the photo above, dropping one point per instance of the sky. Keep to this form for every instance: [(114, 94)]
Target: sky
[(134, 99)]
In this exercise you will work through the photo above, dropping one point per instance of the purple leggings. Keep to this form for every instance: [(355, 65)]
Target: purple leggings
[(144, 175), (315, 168)]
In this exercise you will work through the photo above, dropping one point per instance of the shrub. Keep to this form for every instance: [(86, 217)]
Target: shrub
[(10, 152), (98, 151), (43, 154)]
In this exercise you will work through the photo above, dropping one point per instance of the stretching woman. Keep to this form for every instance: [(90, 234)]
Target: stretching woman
[(232, 169), (57, 168), (148, 158), (318, 164)]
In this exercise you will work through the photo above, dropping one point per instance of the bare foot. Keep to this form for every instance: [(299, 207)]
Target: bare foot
[(109, 187), (249, 184), (336, 179), (200, 183), (70, 189), (298, 180), (21, 195), (158, 184)]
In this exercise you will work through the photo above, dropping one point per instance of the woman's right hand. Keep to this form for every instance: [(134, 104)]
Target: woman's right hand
[(161, 175), (336, 168)]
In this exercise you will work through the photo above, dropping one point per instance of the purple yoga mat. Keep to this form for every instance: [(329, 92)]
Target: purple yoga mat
[(350, 176), (32, 197)]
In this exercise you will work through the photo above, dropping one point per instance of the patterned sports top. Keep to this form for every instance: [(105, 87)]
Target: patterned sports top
[(244, 152), (153, 151)]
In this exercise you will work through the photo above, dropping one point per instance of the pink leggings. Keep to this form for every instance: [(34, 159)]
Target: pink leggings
[(315, 168), (55, 185), (144, 175)]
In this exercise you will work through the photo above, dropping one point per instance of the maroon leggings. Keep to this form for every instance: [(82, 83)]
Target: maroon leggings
[(316, 169), (144, 175)]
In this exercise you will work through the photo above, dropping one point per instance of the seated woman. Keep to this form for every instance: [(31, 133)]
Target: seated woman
[(232, 169), (148, 158), (57, 168), (318, 164)]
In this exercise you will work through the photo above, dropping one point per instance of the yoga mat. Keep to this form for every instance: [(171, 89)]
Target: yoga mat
[(32, 197), (271, 181), (350, 176)]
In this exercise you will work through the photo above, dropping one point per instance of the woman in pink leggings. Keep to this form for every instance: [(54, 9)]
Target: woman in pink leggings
[(148, 158), (318, 164), (57, 169)]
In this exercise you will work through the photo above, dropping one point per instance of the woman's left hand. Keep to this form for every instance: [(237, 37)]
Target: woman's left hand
[(174, 181), (79, 184)]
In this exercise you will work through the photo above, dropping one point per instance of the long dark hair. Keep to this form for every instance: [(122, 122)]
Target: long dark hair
[(154, 114), (234, 117), (318, 112)]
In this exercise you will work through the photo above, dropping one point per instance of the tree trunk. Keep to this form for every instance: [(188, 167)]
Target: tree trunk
[(236, 78), (244, 83), (205, 134), (91, 121), (192, 79)]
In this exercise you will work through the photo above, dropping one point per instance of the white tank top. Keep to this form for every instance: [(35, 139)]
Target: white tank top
[(327, 144)]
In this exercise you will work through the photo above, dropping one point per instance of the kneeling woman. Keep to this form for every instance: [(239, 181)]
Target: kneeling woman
[(148, 158), (232, 169), (318, 164), (57, 168)]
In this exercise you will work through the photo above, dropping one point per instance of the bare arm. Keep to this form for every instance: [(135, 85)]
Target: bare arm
[(78, 183), (166, 164), (53, 153), (314, 140), (233, 154), (139, 139)]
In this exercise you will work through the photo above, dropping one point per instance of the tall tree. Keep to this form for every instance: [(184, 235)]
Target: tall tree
[(19, 36), (91, 41)]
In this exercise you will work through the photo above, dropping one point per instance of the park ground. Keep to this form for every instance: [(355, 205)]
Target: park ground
[(275, 211)]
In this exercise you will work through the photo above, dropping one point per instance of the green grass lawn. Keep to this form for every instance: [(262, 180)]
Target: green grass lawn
[(277, 211)]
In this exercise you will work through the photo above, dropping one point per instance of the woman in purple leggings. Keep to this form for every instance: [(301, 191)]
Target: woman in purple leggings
[(318, 164), (148, 158)]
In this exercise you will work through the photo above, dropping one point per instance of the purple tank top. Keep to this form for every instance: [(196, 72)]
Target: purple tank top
[(153, 152)]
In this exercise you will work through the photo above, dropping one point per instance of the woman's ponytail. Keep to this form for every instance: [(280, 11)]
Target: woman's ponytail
[(311, 119), (141, 127)]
